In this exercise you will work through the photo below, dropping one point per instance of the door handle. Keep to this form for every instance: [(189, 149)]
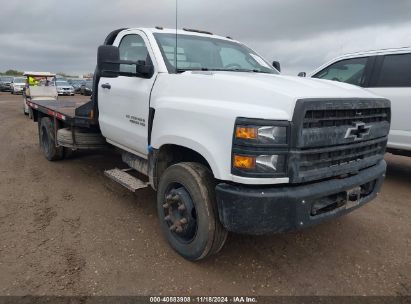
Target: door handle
[(106, 86)]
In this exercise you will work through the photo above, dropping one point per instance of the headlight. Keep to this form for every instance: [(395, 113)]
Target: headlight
[(260, 164), (260, 148), (259, 132), (270, 135)]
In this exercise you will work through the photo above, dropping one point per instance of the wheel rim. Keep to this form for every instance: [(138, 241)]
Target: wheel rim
[(45, 141), (180, 214)]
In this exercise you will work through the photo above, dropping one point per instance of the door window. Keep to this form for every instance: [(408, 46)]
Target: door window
[(132, 47), (350, 71), (395, 71)]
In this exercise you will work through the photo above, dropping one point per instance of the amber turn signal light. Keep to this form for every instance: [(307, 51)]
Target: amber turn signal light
[(246, 133), (244, 162)]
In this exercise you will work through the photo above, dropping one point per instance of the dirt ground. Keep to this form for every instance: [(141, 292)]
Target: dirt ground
[(65, 229)]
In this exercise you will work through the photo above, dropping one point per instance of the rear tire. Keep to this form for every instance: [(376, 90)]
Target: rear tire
[(48, 141), (190, 185)]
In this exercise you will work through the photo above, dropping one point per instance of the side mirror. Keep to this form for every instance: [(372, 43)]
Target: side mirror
[(108, 64), (108, 58), (302, 74), (144, 69), (277, 66)]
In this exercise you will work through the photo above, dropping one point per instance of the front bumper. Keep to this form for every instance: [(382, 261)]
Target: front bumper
[(263, 210), (18, 90), (66, 92)]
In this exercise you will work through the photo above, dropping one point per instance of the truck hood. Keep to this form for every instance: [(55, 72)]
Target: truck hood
[(257, 95), (297, 87)]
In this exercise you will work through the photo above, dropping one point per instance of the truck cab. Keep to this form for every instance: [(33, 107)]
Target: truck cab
[(228, 143)]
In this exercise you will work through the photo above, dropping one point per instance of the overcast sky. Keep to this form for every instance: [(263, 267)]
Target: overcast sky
[(62, 36)]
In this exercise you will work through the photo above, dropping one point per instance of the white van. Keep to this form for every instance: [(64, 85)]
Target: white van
[(386, 73), (17, 85)]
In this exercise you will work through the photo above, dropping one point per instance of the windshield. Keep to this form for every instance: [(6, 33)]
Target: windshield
[(62, 83), (19, 80), (6, 79), (209, 54)]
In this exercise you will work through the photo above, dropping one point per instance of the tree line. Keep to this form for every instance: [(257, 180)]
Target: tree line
[(12, 73), (19, 73)]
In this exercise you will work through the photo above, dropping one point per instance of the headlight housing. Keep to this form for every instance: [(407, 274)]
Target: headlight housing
[(261, 132), (273, 163), (260, 148), (263, 135)]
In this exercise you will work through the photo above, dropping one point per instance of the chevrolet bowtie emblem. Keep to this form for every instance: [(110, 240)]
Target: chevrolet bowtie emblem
[(359, 131)]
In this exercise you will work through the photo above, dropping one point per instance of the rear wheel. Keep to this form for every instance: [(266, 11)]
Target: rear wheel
[(48, 141), (188, 213)]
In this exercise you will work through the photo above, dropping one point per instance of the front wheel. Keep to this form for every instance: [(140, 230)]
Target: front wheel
[(188, 213)]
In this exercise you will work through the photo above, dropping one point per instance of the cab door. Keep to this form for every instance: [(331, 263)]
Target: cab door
[(124, 101)]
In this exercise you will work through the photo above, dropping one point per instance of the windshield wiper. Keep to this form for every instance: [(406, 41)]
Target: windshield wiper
[(247, 71), (191, 69), (239, 70), (221, 70)]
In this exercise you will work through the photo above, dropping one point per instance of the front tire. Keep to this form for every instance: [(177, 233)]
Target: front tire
[(48, 141), (187, 211)]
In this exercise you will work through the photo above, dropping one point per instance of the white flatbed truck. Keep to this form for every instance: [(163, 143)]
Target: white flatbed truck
[(228, 143)]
